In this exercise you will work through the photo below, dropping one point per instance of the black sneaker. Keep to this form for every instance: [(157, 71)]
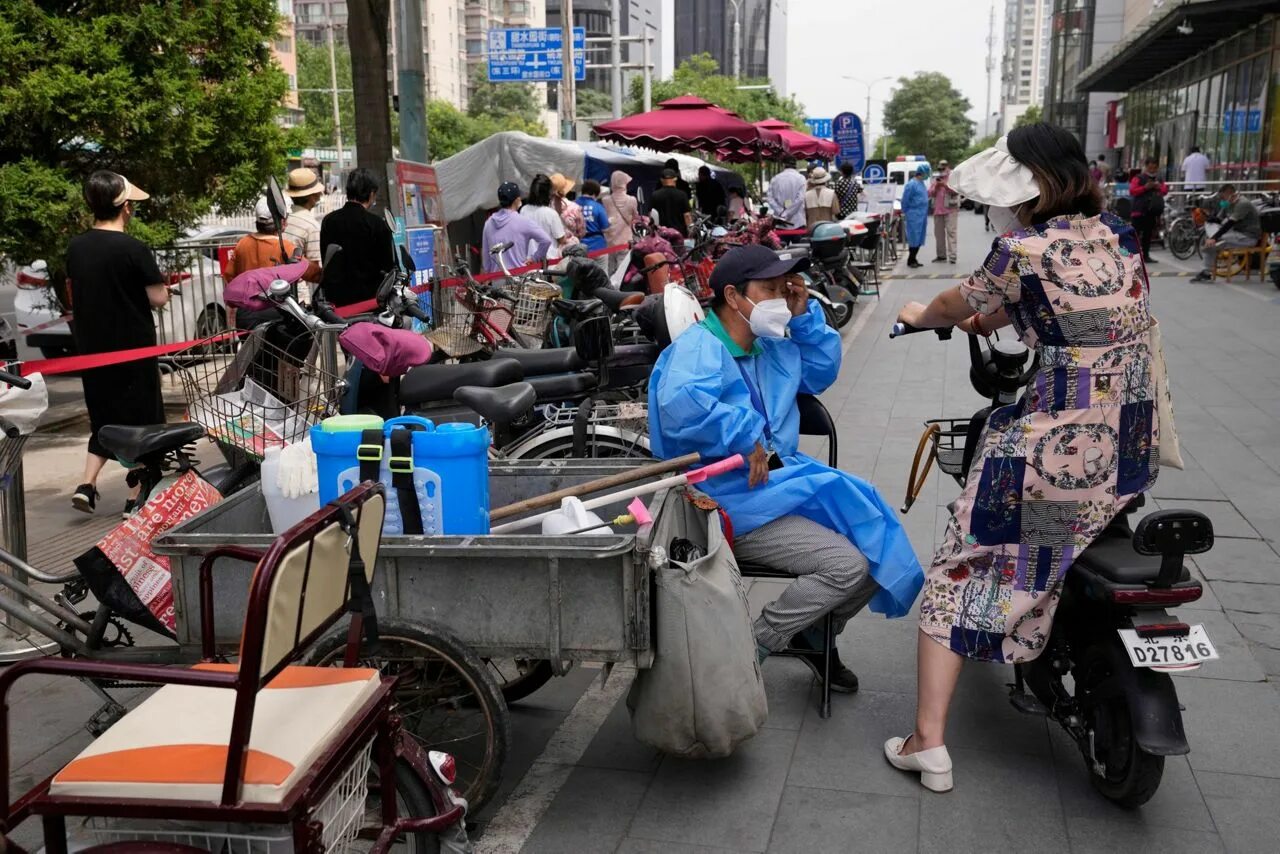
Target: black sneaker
[(1202, 277), (939, 260), (130, 507), (843, 680), (1151, 260), (85, 498)]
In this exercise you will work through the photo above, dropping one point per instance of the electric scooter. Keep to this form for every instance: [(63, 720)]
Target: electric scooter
[(1112, 634)]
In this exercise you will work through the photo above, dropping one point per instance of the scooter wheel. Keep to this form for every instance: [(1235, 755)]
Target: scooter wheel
[(843, 313), (1129, 776)]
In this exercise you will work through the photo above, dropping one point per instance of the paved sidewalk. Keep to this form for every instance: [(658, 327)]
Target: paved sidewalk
[(808, 785)]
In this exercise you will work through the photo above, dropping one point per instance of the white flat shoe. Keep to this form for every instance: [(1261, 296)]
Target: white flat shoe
[(933, 765)]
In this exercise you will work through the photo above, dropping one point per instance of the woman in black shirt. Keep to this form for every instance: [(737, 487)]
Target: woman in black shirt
[(114, 285)]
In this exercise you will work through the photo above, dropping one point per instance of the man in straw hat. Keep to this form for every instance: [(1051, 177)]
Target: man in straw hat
[(821, 204), (302, 227)]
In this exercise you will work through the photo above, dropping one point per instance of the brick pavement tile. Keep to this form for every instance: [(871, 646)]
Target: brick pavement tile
[(1178, 485), (820, 821), (647, 846), (1253, 598), (882, 652), (614, 747), (535, 727), (1244, 809), (845, 752), (1232, 725), (790, 685), (726, 802), (1176, 804), (1235, 660), (1261, 629), (1001, 802), (590, 813), (1090, 836), (1208, 600), (982, 718)]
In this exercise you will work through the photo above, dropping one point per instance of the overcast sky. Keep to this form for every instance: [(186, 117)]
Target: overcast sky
[(878, 38)]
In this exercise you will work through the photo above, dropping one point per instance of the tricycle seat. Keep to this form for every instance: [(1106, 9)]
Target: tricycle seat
[(428, 383), (135, 444), (500, 405), (173, 746)]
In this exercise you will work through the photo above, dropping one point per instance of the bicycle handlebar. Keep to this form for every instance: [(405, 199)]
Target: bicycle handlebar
[(899, 329), (326, 313), (15, 380), (415, 311)]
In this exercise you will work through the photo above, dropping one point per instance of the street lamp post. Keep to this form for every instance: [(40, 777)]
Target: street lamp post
[(884, 145), (737, 38)]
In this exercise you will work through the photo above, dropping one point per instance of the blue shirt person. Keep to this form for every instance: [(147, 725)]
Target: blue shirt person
[(593, 213), (728, 386)]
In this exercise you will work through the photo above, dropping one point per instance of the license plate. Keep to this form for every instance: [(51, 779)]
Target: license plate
[(1169, 652)]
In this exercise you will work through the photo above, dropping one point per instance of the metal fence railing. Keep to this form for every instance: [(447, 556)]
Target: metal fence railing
[(197, 308)]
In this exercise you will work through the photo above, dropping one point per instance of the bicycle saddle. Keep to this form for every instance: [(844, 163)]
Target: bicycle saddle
[(553, 360), (577, 309), (428, 383), (617, 300), (136, 443), (499, 406)]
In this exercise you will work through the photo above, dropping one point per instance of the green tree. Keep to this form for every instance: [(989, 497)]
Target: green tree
[(887, 148), (313, 73), (592, 103), (927, 115), (449, 130), (1033, 115), (981, 144), (181, 96), (700, 75)]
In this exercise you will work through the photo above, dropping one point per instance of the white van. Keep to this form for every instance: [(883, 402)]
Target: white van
[(901, 169)]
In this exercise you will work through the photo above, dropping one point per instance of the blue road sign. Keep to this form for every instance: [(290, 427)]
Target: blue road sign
[(533, 54), (847, 132), (1241, 121), (821, 128), (873, 174)]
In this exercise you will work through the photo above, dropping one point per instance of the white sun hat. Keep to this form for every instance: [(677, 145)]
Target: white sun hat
[(994, 177)]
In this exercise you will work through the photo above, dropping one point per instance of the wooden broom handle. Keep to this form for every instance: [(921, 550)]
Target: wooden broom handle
[(552, 498)]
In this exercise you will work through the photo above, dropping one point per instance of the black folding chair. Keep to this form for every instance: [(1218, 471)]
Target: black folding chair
[(815, 420)]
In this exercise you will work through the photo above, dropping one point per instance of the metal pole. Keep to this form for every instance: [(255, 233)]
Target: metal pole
[(615, 32), (567, 111), (411, 72), (866, 130), (737, 38), (648, 71), (337, 114)]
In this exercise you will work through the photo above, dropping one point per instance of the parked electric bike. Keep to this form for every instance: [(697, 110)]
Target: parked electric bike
[(1111, 634)]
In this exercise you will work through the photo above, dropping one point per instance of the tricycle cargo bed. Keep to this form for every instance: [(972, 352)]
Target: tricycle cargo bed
[(562, 598)]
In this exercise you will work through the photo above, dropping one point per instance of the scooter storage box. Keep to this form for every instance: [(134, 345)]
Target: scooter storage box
[(827, 241)]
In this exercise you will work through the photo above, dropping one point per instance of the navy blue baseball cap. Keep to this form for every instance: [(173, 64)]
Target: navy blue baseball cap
[(744, 263)]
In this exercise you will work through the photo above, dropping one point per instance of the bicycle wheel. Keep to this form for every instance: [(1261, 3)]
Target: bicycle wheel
[(625, 445), (517, 678), (445, 695), (1181, 238), (412, 800)]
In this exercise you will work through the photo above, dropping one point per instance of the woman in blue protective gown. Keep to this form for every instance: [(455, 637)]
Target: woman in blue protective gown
[(915, 213), (727, 386)]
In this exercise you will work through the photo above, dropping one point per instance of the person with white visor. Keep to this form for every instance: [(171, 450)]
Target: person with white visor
[(1052, 470)]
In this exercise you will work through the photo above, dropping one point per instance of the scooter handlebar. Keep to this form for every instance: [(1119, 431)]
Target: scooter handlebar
[(15, 380), (415, 311), (900, 329), (326, 313)]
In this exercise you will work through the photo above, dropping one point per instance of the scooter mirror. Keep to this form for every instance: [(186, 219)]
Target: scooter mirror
[(391, 221), (275, 200), (406, 261), (331, 253)]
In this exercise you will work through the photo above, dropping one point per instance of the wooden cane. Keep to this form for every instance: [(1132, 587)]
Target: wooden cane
[(553, 498)]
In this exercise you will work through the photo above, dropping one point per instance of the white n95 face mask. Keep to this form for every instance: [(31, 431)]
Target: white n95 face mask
[(769, 318), (1004, 220)]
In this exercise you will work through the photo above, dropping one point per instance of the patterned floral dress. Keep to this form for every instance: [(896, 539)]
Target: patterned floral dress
[(1055, 468)]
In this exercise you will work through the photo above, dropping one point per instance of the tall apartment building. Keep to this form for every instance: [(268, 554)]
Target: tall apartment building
[(1083, 30), (706, 26), (636, 17), (1024, 68), (284, 51), (484, 15)]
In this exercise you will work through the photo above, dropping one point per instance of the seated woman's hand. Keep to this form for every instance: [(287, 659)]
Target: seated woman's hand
[(759, 466)]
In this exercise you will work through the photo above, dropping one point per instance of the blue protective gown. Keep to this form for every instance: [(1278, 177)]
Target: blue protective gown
[(699, 402), (915, 211)]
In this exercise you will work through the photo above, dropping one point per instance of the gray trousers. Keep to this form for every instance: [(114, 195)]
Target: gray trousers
[(944, 234), (1230, 240), (831, 576)]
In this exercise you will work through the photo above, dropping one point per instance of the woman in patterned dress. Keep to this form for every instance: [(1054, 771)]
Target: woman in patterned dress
[(1053, 469)]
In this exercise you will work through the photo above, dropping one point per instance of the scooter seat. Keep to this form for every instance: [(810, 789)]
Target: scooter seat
[(500, 405), (135, 444), (553, 360), (562, 386), (1113, 559), (427, 383)]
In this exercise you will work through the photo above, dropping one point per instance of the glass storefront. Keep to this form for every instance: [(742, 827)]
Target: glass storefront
[(1224, 100)]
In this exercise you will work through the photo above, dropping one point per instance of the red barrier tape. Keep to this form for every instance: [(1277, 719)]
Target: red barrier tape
[(71, 364), (453, 282)]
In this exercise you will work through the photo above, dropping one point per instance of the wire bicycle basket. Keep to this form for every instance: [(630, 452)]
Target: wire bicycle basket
[(267, 392), (533, 306)]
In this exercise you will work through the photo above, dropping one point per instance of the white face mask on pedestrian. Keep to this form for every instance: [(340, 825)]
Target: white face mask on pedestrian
[(769, 318), (1004, 220)]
